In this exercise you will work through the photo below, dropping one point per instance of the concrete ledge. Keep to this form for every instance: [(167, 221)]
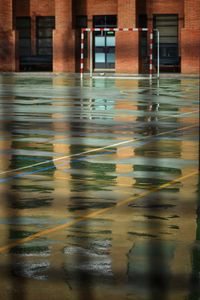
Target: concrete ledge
[(100, 75)]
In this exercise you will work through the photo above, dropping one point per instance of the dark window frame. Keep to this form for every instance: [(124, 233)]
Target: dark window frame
[(24, 35), (40, 38), (169, 50)]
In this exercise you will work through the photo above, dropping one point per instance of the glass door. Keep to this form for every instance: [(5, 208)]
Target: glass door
[(104, 42)]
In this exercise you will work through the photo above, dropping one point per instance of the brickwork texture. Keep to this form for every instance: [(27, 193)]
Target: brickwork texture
[(127, 44)]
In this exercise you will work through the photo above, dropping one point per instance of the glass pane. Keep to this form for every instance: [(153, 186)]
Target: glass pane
[(100, 41), (24, 43), (168, 28), (24, 51), (45, 42), (142, 21), (24, 33), (110, 41), (169, 19), (168, 40), (48, 22), (168, 31), (111, 21), (23, 22), (81, 22), (45, 32), (172, 52), (111, 57), (99, 21), (45, 51), (100, 57)]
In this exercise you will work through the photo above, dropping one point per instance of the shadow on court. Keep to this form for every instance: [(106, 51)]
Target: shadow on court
[(16, 288), (81, 255)]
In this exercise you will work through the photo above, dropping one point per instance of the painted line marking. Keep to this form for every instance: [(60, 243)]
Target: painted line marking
[(161, 187), (96, 149), (7, 137), (90, 215)]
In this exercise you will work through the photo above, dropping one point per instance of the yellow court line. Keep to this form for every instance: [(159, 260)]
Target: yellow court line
[(90, 215), (161, 187)]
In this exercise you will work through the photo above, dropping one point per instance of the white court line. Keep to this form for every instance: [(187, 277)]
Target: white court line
[(95, 150), (148, 112)]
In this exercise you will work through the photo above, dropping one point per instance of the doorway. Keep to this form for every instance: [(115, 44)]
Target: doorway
[(104, 42)]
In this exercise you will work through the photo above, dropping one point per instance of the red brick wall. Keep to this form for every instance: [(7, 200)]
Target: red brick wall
[(34, 7), (192, 14), (7, 37), (21, 8), (190, 51), (43, 8), (190, 47), (127, 42), (63, 38), (165, 7), (95, 7)]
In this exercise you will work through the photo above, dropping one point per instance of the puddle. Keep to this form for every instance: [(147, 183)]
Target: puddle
[(76, 154)]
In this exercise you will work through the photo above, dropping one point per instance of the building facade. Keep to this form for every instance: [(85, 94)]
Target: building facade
[(45, 35)]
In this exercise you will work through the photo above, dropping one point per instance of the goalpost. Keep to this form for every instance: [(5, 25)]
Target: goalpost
[(91, 30)]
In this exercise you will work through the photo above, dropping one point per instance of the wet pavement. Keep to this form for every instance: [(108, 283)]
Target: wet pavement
[(99, 188)]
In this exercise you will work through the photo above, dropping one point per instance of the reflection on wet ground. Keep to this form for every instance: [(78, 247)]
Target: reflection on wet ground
[(99, 189)]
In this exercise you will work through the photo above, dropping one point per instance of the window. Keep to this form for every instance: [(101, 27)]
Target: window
[(23, 26), (168, 28), (105, 21), (45, 26)]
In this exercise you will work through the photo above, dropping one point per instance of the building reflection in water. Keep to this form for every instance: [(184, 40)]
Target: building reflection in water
[(124, 130), (134, 246), (31, 197), (150, 260), (8, 197), (73, 192)]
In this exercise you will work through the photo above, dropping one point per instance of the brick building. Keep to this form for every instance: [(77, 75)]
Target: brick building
[(45, 34)]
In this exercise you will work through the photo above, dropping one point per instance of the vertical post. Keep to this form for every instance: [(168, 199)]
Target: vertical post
[(91, 53), (158, 54), (82, 53), (151, 55)]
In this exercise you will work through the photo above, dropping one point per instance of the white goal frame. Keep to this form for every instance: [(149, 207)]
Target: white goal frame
[(91, 30)]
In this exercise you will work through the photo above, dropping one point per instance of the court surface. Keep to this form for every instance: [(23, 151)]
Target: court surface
[(99, 188)]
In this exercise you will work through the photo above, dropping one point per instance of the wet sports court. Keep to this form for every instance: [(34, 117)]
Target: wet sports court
[(99, 188)]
